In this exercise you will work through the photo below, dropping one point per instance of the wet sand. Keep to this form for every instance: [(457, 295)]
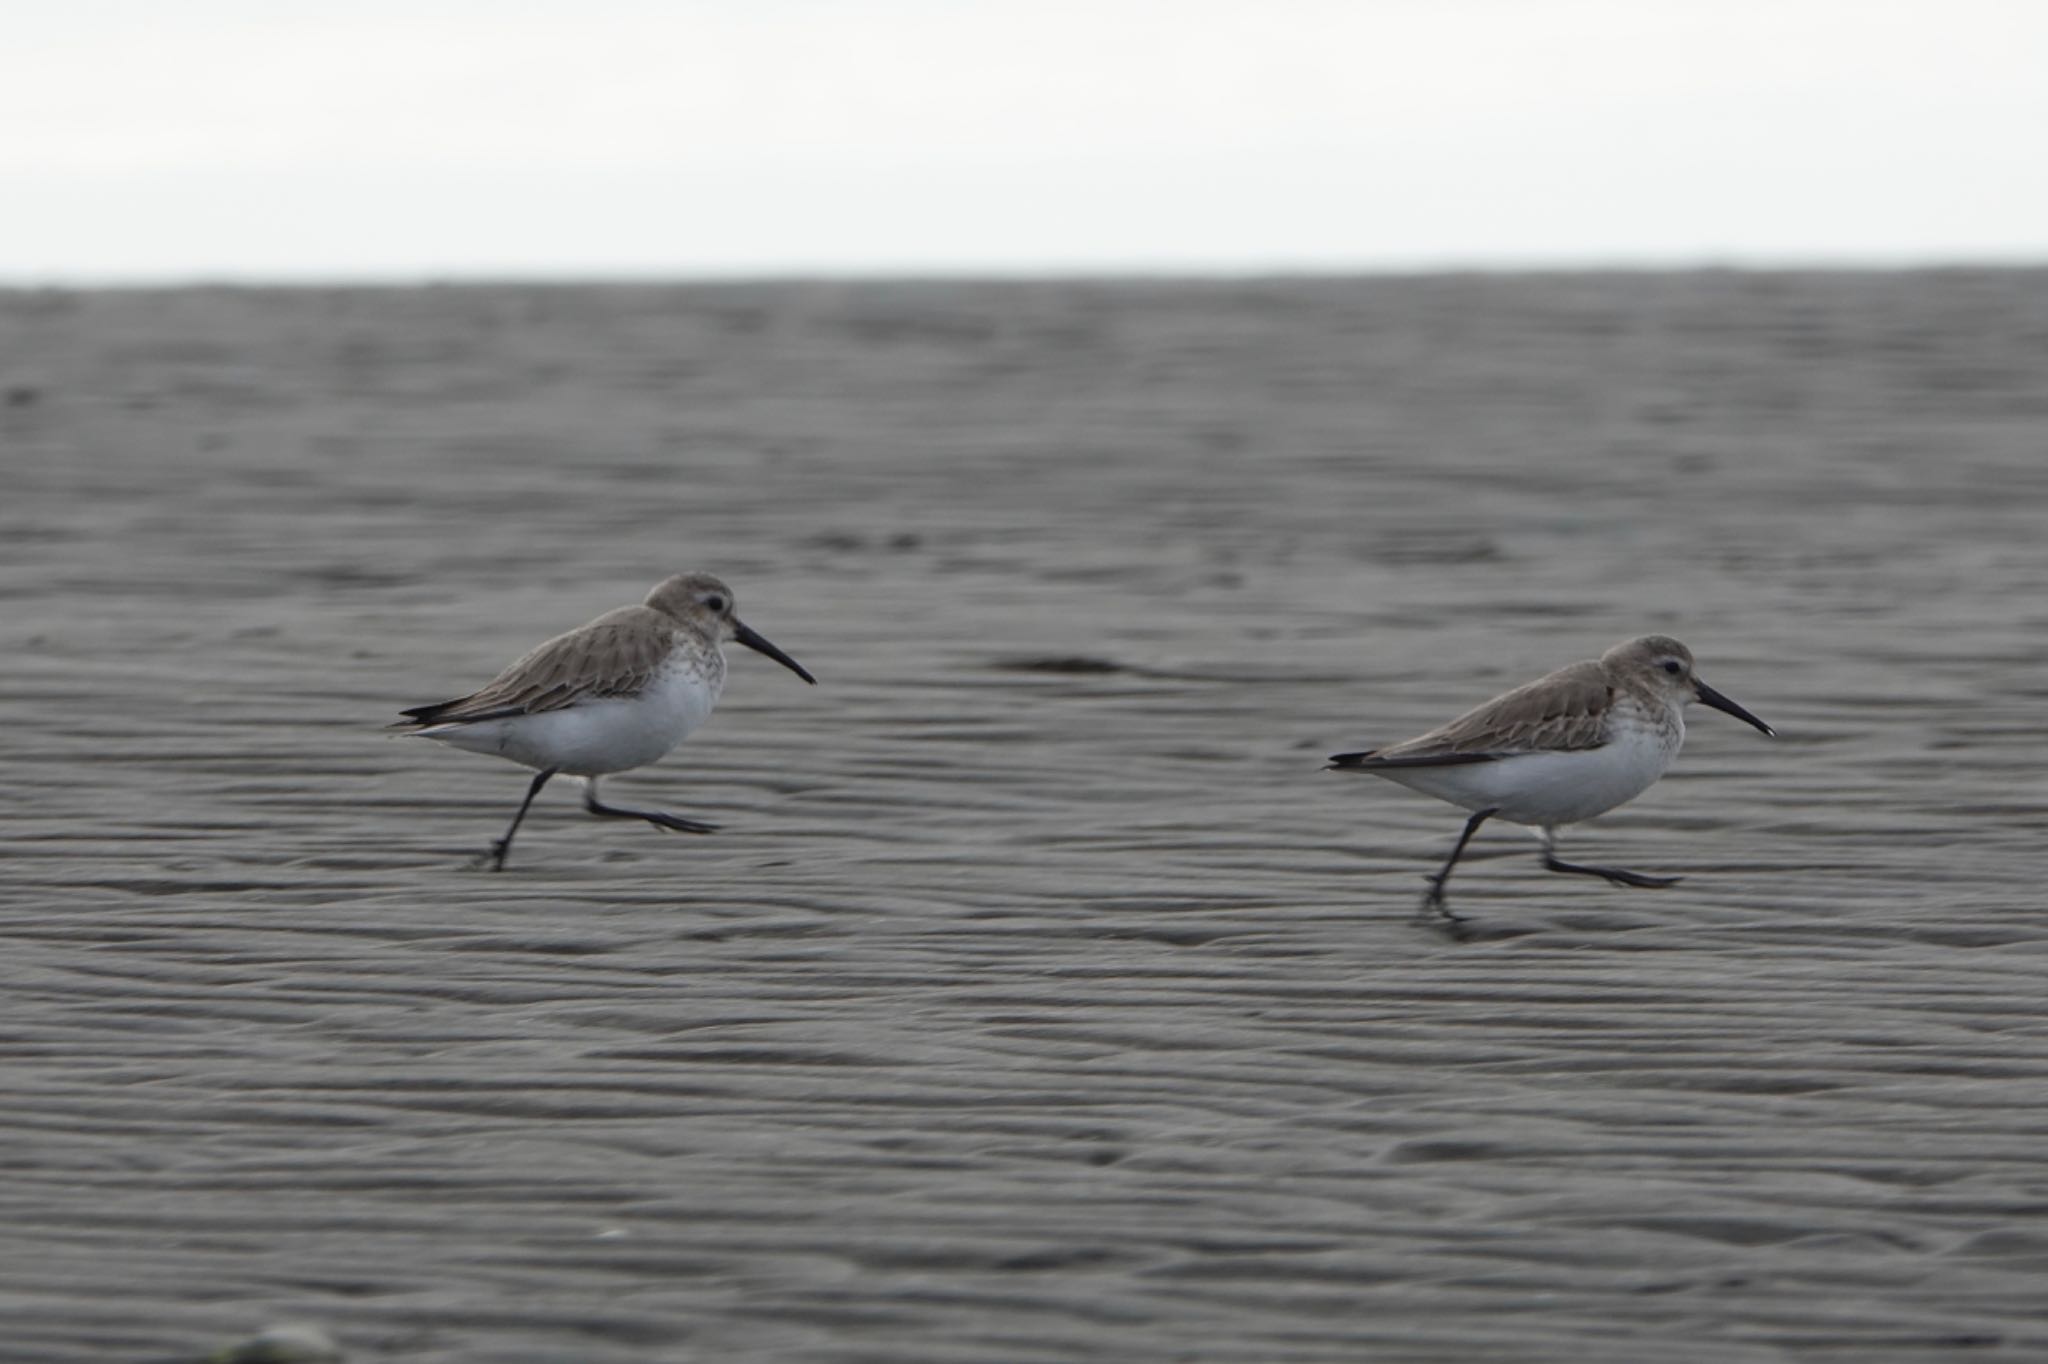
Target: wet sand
[(1041, 1000)]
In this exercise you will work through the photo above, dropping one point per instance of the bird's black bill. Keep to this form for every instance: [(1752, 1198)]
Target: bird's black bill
[(759, 643), (1723, 704)]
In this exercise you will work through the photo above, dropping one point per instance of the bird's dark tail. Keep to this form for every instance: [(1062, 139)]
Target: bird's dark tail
[(421, 716), (1338, 760)]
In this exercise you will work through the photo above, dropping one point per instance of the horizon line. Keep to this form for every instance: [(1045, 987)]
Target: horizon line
[(995, 271)]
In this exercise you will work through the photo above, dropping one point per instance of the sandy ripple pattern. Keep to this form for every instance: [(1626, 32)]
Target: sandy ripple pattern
[(1041, 1000)]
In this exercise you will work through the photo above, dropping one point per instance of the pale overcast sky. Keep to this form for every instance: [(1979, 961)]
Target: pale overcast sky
[(154, 139)]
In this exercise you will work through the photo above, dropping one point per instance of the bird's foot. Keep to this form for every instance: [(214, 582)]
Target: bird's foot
[(1636, 878), (660, 818), (1616, 875), (1435, 906), (678, 823)]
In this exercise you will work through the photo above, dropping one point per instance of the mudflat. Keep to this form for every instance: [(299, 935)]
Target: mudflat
[(1040, 998)]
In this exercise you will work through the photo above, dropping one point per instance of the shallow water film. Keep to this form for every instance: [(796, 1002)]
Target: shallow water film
[(1040, 999)]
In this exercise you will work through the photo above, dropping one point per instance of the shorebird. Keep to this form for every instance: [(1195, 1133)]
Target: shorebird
[(615, 694), (1558, 750)]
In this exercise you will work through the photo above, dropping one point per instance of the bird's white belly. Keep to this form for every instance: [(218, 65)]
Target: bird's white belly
[(1547, 789), (593, 737)]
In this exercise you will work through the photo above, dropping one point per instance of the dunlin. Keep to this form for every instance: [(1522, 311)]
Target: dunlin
[(615, 694), (1561, 749)]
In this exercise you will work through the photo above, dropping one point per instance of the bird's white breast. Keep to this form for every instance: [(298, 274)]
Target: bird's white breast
[(605, 734), (1548, 789)]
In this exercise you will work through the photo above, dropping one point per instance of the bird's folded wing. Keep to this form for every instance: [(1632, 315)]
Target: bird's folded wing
[(615, 655), (1564, 712)]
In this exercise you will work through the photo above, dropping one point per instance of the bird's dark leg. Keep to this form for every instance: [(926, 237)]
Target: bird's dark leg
[(500, 846), (1613, 874), (658, 817), (1434, 900)]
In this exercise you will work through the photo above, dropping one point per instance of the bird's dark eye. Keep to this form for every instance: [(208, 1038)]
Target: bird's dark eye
[(715, 602), (1673, 666)]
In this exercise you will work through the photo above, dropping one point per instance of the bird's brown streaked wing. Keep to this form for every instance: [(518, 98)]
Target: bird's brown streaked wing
[(1564, 712), (614, 655)]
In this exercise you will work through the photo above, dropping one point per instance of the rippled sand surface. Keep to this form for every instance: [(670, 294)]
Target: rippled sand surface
[(1041, 1000)]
